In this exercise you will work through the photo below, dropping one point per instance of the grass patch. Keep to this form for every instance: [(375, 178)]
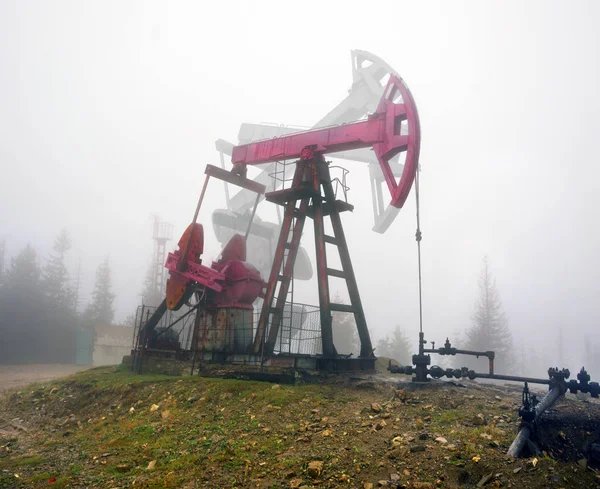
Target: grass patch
[(32, 461)]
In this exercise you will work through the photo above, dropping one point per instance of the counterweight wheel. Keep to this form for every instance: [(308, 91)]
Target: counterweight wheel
[(178, 287)]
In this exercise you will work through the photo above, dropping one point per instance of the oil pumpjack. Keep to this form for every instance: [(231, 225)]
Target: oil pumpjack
[(225, 328)]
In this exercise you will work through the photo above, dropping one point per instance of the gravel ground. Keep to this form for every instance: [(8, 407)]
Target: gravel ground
[(16, 375)]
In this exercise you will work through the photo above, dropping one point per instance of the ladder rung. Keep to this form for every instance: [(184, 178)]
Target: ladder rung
[(290, 246), (283, 278), (330, 239), (335, 273), (341, 307)]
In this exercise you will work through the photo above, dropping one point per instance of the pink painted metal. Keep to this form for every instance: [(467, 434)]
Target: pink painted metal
[(243, 284), (201, 274), (236, 283), (381, 131)]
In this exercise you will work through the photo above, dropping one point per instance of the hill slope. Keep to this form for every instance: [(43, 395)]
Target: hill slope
[(109, 428)]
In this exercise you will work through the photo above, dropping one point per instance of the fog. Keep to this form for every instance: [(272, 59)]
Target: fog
[(110, 110)]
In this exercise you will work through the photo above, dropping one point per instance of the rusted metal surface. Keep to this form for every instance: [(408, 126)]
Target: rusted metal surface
[(263, 322), (321, 259), (366, 348), (227, 329)]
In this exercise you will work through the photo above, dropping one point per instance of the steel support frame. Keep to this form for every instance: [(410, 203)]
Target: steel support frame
[(261, 345), (366, 348), (314, 172)]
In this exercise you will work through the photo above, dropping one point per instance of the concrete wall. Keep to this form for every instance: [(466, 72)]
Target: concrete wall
[(111, 344)]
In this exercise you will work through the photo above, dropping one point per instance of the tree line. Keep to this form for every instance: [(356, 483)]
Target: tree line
[(489, 330), (39, 317)]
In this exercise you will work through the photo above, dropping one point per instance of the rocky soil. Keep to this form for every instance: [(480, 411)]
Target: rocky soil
[(109, 428)]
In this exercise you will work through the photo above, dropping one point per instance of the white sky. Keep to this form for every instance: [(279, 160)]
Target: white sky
[(109, 111)]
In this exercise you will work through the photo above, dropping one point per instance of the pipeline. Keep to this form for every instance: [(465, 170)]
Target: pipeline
[(524, 435), (531, 410)]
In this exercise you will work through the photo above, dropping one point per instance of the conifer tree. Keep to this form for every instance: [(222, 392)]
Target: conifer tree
[(101, 310), (55, 277), (490, 330)]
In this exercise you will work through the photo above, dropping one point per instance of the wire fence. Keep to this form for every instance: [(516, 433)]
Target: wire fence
[(299, 331), (169, 335), (233, 330)]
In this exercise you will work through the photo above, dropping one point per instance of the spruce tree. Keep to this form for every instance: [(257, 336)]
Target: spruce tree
[(383, 347), (101, 310), (400, 347), (55, 277), (24, 271), (22, 318), (490, 330)]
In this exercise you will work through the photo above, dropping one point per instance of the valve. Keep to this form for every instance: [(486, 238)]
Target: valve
[(527, 410), (583, 376), (447, 349), (436, 372)]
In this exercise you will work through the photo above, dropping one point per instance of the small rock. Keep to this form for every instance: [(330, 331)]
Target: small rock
[(484, 480), (368, 485), (486, 436), (441, 440), (423, 436), (166, 414), (417, 448), (123, 468), (376, 408), (382, 483), (479, 420), (394, 477), (153, 408), (398, 452), (315, 468), (276, 387), (216, 438), (396, 441), (582, 462), (295, 483), (422, 485), (151, 465), (379, 426), (517, 470)]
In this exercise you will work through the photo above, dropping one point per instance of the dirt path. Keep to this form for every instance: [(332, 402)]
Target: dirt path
[(17, 375)]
